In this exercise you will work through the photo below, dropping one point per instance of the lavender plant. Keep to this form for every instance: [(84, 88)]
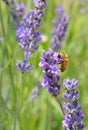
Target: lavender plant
[(51, 59), (27, 34), (73, 116), (73, 119), (49, 63), (16, 107), (17, 11), (60, 28), (52, 62)]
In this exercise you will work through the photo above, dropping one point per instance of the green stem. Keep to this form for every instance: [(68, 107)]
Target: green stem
[(5, 52), (59, 101), (5, 106), (3, 48), (18, 104)]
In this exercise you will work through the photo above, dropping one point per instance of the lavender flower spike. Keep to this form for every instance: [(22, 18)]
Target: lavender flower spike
[(59, 16), (17, 11), (59, 32), (49, 63), (74, 116), (27, 34)]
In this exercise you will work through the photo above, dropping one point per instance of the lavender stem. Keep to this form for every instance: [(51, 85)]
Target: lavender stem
[(59, 101), (17, 112)]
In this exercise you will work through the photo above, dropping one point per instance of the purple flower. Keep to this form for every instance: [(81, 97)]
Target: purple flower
[(59, 32), (74, 116), (40, 4), (27, 34), (70, 84), (35, 92), (17, 11), (50, 63), (34, 95), (72, 96), (60, 13), (27, 55), (24, 66)]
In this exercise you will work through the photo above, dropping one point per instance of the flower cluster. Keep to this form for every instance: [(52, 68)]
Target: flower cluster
[(59, 32), (27, 34), (17, 11), (49, 63), (74, 116)]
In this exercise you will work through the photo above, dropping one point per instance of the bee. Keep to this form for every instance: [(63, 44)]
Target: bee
[(64, 61)]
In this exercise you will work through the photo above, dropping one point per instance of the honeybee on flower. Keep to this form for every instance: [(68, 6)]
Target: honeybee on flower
[(64, 62)]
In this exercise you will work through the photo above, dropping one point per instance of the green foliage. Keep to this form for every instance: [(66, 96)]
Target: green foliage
[(16, 110)]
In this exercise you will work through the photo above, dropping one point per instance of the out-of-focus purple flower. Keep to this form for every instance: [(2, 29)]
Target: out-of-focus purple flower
[(59, 32), (74, 116), (17, 11), (27, 34), (83, 6), (1, 39), (49, 63), (59, 15), (35, 92), (27, 55)]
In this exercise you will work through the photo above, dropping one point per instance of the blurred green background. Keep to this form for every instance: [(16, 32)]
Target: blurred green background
[(16, 110)]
